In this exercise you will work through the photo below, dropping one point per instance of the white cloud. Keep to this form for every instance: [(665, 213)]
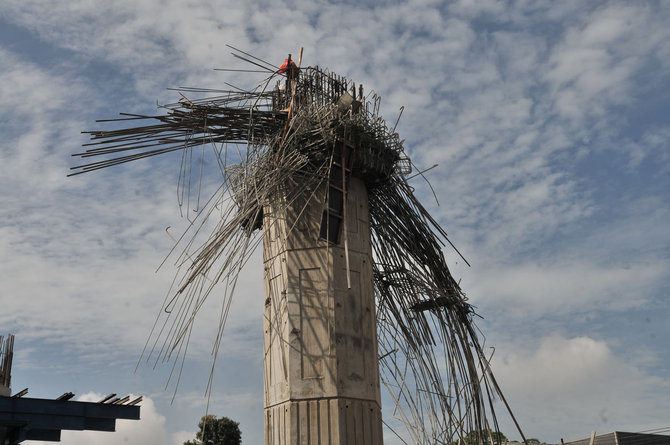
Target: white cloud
[(593, 67), (650, 147), (474, 8), (567, 387), (34, 98), (179, 437), (527, 291)]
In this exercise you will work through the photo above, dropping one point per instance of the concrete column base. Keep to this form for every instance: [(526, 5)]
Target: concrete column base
[(337, 421)]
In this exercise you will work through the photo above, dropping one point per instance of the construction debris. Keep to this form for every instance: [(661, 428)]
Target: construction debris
[(280, 138)]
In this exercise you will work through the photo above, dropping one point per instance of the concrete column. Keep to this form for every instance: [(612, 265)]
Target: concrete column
[(321, 368), (6, 355)]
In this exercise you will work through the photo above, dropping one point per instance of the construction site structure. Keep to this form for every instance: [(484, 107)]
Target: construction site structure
[(357, 292), (6, 356), (26, 418), (321, 367)]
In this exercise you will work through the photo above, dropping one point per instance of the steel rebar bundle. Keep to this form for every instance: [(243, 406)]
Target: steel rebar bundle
[(283, 132)]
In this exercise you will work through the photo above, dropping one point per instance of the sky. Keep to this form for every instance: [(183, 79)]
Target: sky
[(548, 122)]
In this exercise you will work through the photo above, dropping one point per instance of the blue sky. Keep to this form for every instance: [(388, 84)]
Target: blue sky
[(549, 122)]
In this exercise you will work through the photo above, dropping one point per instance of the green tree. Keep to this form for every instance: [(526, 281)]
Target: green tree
[(213, 431)]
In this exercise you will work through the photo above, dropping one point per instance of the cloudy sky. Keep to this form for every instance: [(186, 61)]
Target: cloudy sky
[(549, 122)]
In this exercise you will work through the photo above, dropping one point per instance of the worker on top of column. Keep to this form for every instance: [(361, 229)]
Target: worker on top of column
[(290, 69)]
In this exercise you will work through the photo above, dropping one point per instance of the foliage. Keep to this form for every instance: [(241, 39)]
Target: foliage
[(213, 431)]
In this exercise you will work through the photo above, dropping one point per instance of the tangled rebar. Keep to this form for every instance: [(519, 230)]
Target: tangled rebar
[(283, 134)]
